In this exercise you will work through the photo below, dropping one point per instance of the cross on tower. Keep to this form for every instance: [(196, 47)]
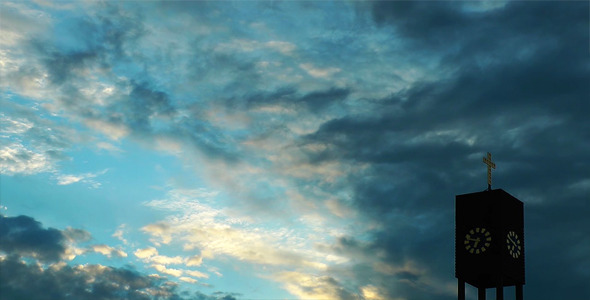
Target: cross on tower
[(488, 161)]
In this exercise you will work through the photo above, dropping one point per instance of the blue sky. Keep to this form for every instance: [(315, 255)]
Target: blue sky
[(285, 150)]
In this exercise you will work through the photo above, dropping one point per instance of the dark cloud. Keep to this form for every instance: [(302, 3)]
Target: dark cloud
[(436, 23), (209, 65), (19, 280), (142, 104), (517, 86), (432, 130), (290, 97), (24, 240), (24, 236), (214, 296), (63, 66), (393, 263), (22, 281), (100, 40)]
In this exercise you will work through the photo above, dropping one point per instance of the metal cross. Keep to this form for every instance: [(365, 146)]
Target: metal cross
[(488, 161)]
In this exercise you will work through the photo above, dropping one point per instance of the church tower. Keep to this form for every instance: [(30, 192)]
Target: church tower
[(489, 240)]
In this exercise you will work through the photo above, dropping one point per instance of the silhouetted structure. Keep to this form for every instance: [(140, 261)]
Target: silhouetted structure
[(489, 241)]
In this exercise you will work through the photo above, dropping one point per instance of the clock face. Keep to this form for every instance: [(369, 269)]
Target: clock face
[(513, 244), (477, 241)]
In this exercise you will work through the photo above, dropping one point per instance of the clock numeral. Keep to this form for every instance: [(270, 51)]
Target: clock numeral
[(513, 244)]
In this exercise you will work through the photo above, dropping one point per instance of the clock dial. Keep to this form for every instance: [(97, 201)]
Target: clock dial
[(513, 244), (477, 240)]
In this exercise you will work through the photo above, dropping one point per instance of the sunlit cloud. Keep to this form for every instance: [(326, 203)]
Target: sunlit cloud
[(168, 271), (307, 286), (196, 274), (17, 159), (196, 225), (112, 130), (194, 261), (187, 279), (146, 253), (371, 292), (108, 251)]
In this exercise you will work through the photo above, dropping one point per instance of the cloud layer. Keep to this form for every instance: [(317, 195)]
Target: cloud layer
[(48, 276), (324, 141)]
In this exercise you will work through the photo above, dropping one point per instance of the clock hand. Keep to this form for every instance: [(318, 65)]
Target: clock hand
[(512, 241)]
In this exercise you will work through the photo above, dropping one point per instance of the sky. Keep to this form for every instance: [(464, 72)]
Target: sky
[(286, 149)]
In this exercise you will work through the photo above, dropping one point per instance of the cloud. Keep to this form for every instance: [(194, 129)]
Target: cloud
[(159, 230), (10, 126), (16, 159), (87, 178), (159, 262), (370, 292), (20, 21), (43, 273), (120, 232), (168, 271), (108, 251), (188, 279), (196, 261), (307, 286), (317, 72), (288, 99), (24, 236), (108, 147), (146, 253), (417, 144), (31, 143), (112, 130), (196, 273), (76, 235), (336, 153), (83, 282), (283, 47), (166, 260), (197, 225)]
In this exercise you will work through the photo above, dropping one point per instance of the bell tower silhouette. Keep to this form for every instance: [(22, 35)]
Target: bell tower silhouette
[(489, 240)]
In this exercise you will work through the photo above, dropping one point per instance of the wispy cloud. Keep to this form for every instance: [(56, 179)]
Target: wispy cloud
[(16, 159), (217, 233), (87, 178), (119, 234)]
